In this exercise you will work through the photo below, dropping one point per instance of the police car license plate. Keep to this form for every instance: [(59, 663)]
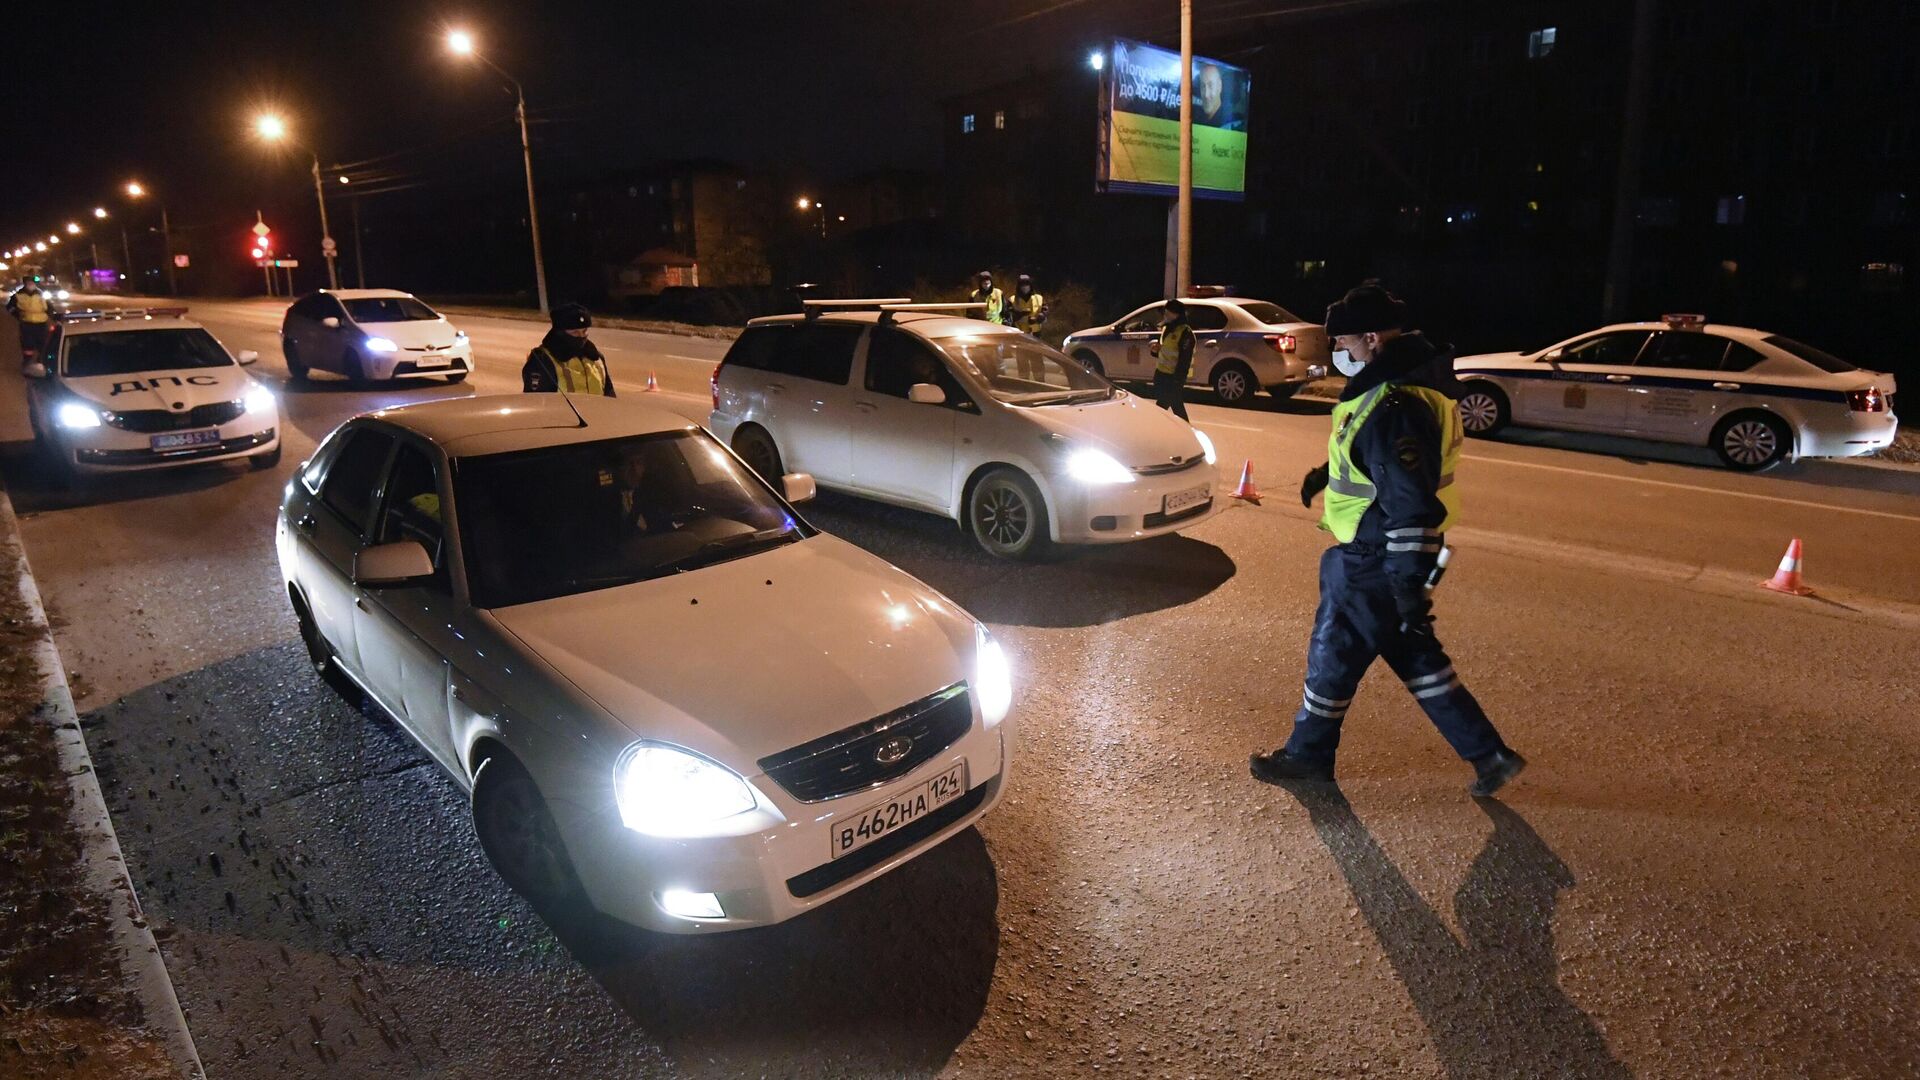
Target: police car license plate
[(1186, 500), (183, 440), (855, 831)]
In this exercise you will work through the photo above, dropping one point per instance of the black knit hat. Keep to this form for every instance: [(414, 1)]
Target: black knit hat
[(1367, 308), (572, 317)]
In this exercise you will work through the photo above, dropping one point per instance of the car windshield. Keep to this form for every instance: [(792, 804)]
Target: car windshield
[(560, 520), (381, 309), (1271, 314), (1018, 370), (1819, 358), (131, 351)]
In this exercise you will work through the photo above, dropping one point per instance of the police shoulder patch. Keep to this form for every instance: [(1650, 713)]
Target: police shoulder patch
[(1409, 450)]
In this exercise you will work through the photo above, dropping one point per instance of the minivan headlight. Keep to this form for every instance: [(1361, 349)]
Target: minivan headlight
[(380, 344), (1097, 467), (992, 677), (665, 791)]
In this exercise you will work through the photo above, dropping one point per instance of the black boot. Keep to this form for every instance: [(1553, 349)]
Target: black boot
[(1494, 770), (1281, 768)]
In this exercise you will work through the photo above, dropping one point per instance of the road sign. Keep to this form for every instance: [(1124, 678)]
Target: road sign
[(328, 247), (286, 262), (180, 261), (260, 228)]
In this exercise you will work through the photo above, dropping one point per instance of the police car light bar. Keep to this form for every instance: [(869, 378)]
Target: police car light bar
[(1208, 290), (813, 308), (888, 311), (1684, 322), (96, 314)]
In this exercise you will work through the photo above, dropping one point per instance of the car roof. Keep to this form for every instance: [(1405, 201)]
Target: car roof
[(1738, 333), (500, 423), (925, 323), (125, 325), (366, 294)]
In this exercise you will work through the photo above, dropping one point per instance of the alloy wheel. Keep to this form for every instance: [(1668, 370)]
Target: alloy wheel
[(1478, 412), (1751, 442)]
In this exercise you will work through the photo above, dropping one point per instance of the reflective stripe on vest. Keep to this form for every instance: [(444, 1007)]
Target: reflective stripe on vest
[(1349, 494), (1170, 337), (995, 302), (31, 307), (579, 375)]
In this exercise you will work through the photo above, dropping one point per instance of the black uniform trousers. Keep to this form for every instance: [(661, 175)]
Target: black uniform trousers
[(1170, 393), (1357, 621)]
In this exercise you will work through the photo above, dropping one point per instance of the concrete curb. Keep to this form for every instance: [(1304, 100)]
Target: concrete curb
[(604, 322), (142, 966)]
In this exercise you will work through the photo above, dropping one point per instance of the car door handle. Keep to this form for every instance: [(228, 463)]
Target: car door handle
[(1726, 386), (1211, 344), (776, 388), (1619, 378), (360, 602)]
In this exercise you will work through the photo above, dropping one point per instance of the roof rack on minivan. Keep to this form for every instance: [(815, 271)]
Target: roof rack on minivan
[(889, 310), (813, 308)]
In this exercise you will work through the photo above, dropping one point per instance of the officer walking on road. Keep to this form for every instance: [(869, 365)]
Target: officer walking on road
[(565, 360), (29, 305), (1390, 498), (990, 296), (1175, 352)]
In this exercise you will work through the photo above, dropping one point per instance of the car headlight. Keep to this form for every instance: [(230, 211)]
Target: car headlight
[(1097, 467), (72, 414), (460, 335), (992, 678), (380, 344), (1206, 444), (259, 400), (666, 791), (63, 295)]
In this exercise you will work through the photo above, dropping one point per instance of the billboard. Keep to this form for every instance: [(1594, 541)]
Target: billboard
[(1140, 123)]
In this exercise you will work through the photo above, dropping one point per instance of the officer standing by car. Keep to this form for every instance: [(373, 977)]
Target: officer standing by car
[(990, 296), (29, 305), (1175, 353), (1391, 495), (1026, 309), (565, 361)]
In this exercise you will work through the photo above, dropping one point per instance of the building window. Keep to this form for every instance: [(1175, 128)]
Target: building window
[(1540, 42), (1000, 120), (966, 124), (1882, 277), (1309, 269), (1731, 210)]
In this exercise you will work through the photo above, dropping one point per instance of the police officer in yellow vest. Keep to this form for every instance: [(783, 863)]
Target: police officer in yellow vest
[(990, 296), (565, 360), (1389, 481), (29, 305), (1026, 309), (1174, 351)]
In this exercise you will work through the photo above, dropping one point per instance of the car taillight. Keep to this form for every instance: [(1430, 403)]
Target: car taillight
[(713, 383), (1868, 400), (1282, 342)]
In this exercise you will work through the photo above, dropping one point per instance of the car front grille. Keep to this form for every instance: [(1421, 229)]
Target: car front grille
[(1182, 465), (150, 421), (189, 453), (871, 753)]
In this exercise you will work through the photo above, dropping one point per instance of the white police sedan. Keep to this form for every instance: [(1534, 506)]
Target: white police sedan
[(1241, 346), (1755, 398)]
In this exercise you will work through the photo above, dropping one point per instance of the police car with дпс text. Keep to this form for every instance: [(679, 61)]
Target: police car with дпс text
[(1754, 398)]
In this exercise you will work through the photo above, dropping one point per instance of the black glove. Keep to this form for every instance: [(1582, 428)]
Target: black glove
[(1416, 612), (1312, 484)]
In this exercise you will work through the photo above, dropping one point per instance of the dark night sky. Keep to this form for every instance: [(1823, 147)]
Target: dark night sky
[(165, 92)]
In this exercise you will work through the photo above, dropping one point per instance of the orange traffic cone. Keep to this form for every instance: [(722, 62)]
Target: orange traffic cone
[(653, 387), (1246, 491), (1787, 578)]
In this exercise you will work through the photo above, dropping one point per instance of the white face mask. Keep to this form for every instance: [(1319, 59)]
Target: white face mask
[(1346, 364)]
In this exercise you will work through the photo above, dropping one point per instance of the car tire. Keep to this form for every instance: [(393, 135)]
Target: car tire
[(262, 462), (1091, 362), (1484, 409), (319, 652), (355, 369), (1752, 441), (518, 833), (1233, 383), (296, 370), (757, 449), (1007, 516), (456, 377), (1284, 392)]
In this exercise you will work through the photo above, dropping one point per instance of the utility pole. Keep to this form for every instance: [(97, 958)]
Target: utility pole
[(1626, 188), (326, 235), (126, 255), (359, 264), (166, 237), (533, 208), (1183, 259)]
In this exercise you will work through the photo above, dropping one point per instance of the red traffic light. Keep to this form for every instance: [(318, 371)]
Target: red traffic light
[(259, 254)]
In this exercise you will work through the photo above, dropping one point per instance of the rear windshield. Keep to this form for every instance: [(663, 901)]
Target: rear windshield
[(1819, 358), (382, 309), (1271, 314), (134, 351)]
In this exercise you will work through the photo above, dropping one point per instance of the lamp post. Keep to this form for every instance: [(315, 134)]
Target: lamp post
[(136, 190), (461, 43), (805, 204), (273, 129)]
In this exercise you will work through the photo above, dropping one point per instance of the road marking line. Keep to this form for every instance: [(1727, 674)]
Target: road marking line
[(1696, 487), (1236, 427)]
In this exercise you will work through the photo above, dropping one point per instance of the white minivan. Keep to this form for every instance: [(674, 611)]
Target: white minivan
[(920, 406)]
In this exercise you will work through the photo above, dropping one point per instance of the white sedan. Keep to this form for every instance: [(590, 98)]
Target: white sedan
[(913, 405), (1240, 346), (372, 335), (1755, 398), (670, 697)]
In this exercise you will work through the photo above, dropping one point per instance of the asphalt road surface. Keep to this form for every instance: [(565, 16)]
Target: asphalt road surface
[(1710, 868)]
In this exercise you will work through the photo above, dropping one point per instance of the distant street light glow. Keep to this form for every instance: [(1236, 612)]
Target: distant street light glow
[(804, 203), (134, 189), (460, 42), (1096, 60), (100, 211), (270, 127), (73, 228), (344, 180), (41, 245)]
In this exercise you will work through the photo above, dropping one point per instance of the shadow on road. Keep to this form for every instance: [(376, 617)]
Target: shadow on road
[(1079, 586), (1826, 472), (1492, 1003), (34, 488)]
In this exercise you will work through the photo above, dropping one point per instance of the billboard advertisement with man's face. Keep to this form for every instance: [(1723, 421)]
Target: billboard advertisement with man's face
[(1140, 123)]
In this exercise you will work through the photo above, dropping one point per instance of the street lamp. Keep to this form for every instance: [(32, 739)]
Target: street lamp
[(100, 212), (136, 190), (461, 43), (273, 129), (73, 228), (806, 204)]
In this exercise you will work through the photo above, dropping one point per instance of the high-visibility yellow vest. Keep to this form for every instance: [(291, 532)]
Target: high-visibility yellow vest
[(30, 307), (1025, 311), (1170, 339), (580, 375), (1349, 492), (995, 303)]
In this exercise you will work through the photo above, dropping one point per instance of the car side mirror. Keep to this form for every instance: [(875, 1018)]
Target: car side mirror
[(247, 356), (34, 370), (392, 564), (1553, 357), (798, 487), (921, 393), (330, 322)]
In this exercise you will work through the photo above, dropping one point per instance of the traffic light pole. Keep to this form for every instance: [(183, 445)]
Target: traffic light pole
[(326, 235)]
